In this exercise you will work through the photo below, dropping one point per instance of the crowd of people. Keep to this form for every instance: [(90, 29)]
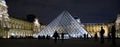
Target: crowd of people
[(56, 36), (110, 36)]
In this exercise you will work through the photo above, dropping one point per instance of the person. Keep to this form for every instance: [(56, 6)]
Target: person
[(84, 36), (39, 37), (47, 37), (109, 36), (87, 37), (56, 36), (95, 36), (43, 37), (113, 30), (102, 35), (62, 36)]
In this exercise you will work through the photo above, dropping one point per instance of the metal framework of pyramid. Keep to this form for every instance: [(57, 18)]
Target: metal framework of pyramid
[(64, 23)]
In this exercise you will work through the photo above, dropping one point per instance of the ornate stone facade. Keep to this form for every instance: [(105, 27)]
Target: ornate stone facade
[(117, 22), (10, 26), (4, 19), (93, 28)]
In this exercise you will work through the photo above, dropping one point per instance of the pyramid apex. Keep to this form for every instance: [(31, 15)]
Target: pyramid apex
[(65, 11)]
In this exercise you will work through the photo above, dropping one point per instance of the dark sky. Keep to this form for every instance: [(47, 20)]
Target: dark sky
[(89, 11)]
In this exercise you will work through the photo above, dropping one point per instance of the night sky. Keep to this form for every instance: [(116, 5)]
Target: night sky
[(89, 11)]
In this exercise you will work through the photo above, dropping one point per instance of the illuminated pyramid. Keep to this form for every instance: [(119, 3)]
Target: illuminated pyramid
[(64, 23)]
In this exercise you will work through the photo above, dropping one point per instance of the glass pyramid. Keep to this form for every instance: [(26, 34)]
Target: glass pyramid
[(64, 23)]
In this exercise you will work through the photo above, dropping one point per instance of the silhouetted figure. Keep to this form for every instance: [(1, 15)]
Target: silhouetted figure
[(109, 36), (39, 37), (12, 37), (96, 37), (81, 37), (47, 37), (87, 36), (62, 36), (102, 35), (55, 35), (43, 37), (113, 30), (84, 36)]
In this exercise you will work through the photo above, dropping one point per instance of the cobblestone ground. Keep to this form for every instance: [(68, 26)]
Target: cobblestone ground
[(50, 43)]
